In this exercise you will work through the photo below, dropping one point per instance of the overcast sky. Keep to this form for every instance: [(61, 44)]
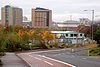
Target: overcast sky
[(62, 9)]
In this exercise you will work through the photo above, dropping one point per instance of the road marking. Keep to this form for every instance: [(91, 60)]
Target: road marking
[(57, 60), (37, 58), (48, 63), (30, 55), (84, 58)]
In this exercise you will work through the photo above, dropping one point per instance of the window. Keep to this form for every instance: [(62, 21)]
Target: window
[(80, 34), (75, 35), (66, 35), (71, 35)]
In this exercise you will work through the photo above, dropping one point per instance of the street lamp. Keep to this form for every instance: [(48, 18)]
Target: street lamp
[(92, 22)]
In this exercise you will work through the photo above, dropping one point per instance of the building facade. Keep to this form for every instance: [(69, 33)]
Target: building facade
[(11, 15), (69, 37), (27, 24), (85, 21), (69, 25), (41, 18)]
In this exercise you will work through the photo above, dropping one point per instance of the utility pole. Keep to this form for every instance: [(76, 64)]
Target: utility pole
[(91, 23)]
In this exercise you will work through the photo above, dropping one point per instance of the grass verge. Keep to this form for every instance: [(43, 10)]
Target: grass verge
[(94, 51)]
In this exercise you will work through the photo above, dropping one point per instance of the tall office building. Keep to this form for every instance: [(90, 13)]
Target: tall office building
[(11, 15), (41, 18)]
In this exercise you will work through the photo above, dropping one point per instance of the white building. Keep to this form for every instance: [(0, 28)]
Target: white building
[(85, 21), (69, 37), (69, 25)]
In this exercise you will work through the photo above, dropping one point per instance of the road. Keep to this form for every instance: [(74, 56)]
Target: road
[(35, 60), (78, 58), (60, 58)]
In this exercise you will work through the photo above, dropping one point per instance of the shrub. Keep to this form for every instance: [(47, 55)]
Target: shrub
[(26, 47), (2, 42), (90, 46), (12, 42), (36, 44), (48, 46)]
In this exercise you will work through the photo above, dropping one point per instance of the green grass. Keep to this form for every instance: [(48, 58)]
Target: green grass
[(94, 51)]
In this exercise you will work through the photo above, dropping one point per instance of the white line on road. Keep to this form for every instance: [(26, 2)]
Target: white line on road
[(57, 60), (84, 58), (48, 63), (30, 55), (37, 58)]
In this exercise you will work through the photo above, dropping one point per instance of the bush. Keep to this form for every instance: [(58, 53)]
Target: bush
[(36, 44), (2, 42), (26, 47), (55, 45), (39, 44), (97, 35), (48, 46), (12, 42), (90, 46)]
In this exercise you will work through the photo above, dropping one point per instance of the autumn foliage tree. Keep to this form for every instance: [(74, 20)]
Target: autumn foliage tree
[(84, 29), (44, 37), (17, 35)]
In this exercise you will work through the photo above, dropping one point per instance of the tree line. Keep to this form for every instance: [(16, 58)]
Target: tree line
[(15, 38)]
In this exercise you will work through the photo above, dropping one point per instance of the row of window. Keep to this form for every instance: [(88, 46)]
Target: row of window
[(73, 35)]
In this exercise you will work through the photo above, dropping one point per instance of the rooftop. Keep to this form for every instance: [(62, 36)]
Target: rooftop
[(71, 21), (7, 6), (38, 8), (62, 32)]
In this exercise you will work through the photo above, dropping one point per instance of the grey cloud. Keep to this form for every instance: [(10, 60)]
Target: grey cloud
[(60, 8)]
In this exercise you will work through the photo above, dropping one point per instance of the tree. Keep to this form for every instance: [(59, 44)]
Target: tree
[(17, 28), (31, 34), (1, 28), (45, 37), (84, 29), (2, 42), (12, 42), (97, 35)]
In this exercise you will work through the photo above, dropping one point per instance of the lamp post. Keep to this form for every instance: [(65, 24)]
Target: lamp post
[(92, 23)]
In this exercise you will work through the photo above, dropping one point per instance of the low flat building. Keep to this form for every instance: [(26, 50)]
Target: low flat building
[(85, 22), (70, 25), (27, 24), (69, 37)]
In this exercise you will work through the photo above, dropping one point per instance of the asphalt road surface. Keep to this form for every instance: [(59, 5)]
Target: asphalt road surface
[(78, 57), (35, 60)]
